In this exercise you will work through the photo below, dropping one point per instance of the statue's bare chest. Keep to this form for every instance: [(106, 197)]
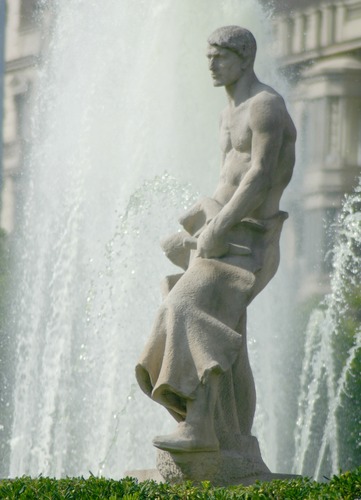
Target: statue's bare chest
[(235, 130)]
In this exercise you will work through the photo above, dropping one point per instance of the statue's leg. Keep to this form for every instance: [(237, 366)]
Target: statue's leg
[(235, 406), (197, 432), (235, 396), (245, 392), (196, 344)]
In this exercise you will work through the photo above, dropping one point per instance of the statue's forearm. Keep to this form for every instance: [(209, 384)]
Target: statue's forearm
[(247, 198)]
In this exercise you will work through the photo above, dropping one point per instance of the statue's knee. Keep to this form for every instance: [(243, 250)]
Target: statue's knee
[(174, 249), (169, 283), (178, 300)]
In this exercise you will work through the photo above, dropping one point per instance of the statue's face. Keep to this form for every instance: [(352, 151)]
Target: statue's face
[(225, 66)]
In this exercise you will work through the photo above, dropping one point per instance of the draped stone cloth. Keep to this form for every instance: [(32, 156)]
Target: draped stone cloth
[(201, 327)]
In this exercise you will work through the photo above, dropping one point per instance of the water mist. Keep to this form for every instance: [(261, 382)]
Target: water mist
[(328, 426), (124, 131)]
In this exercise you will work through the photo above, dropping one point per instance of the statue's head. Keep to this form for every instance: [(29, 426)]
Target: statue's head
[(231, 51)]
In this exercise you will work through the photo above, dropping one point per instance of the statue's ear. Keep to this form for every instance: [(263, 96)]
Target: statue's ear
[(246, 59), (245, 63)]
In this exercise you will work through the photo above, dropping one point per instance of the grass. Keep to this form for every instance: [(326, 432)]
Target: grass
[(346, 486)]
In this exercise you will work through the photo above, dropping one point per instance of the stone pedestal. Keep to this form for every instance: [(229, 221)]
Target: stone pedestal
[(225, 467), (241, 465)]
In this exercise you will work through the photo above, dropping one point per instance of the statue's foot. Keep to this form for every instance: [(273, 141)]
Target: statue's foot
[(188, 439)]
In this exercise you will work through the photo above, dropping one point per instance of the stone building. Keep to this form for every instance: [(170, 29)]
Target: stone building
[(318, 44), (25, 42)]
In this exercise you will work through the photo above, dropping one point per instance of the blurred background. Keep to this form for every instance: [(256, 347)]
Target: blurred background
[(314, 46)]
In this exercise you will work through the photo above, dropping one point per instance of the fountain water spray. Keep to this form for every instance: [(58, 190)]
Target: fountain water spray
[(122, 98), (328, 426)]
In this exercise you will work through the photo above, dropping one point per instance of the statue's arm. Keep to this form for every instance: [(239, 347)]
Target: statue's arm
[(267, 122), (267, 125)]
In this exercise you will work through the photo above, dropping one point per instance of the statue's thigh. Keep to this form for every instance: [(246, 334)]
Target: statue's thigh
[(216, 288)]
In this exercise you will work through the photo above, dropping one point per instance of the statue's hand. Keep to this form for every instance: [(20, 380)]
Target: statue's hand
[(211, 243)]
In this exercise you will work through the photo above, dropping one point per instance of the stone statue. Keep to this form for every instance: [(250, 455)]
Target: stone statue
[(195, 363)]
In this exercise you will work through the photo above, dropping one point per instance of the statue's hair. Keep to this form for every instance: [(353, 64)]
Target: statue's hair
[(239, 40)]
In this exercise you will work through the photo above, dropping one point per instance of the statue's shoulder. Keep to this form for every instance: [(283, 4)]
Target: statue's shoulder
[(264, 95), (267, 108)]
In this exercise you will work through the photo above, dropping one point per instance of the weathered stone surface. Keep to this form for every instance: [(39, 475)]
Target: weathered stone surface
[(224, 467), (145, 474), (196, 362), (238, 478)]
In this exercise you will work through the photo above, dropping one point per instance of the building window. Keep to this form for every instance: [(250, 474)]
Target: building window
[(359, 137), (28, 11), (23, 117)]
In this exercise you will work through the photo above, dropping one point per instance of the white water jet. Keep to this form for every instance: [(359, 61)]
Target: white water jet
[(124, 97), (331, 354)]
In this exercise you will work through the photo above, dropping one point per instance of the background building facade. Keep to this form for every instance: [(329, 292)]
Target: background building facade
[(318, 44), (26, 40)]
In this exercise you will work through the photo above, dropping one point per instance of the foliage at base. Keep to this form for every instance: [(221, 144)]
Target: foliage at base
[(346, 486)]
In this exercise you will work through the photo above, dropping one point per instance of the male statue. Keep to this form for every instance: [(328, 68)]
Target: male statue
[(195, 362)]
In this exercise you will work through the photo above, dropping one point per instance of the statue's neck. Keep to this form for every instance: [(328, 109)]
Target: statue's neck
[(241, 90)]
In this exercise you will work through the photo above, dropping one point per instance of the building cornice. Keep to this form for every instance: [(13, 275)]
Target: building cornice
[(312, 55), (21, 63)]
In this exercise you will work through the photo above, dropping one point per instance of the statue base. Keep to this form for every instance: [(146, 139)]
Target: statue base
[(153, 474), (242, 465)]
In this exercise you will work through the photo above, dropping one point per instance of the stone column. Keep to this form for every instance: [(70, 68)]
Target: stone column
[(298, 34), (327, 31)]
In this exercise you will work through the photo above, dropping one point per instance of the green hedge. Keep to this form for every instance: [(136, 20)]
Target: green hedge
[(346, 486)]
